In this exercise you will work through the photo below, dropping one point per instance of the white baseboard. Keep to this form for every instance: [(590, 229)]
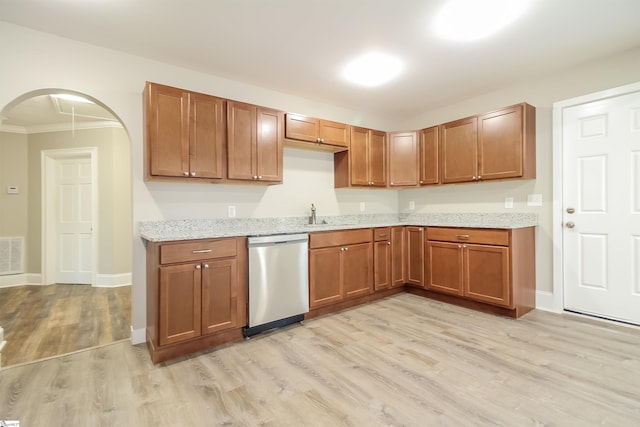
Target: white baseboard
[(20, 280), (112, 280), (138, 336), (547, 301)]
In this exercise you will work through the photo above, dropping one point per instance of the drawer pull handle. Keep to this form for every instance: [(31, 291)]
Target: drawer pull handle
[(201, 251), (382, 235), (462, 236)]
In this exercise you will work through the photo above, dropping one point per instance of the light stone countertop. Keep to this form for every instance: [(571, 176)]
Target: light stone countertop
[(190, 229)]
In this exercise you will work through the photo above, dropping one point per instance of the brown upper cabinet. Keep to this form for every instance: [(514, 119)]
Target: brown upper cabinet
[(365, 164), (254, 143), (429, 158), (323, 134), (404, 159), (495, 145), (185, 134)]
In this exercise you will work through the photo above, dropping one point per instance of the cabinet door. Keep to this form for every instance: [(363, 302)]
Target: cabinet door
[(325, 277), (459, 147), (429, 159), (377, 158), (334, 133), (358, 155), (302, 128), (397, 256), (219, 295), (167, 118), (486, 274), (500, 144), (381, 265), (179, 303), (403, 159), (415, 255), (207, 136), (241, 140), (445, 267), (269, 145), (357, 270)]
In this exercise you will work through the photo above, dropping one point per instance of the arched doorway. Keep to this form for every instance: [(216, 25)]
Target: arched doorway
[(46, 137)]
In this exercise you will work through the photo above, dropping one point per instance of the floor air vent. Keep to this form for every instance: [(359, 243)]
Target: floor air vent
[(11, 255)]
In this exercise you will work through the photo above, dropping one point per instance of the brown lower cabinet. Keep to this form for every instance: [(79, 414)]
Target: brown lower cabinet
[(196, 295), (340, 266), (493, 266), (197, 290), (415, 256), (388, 257)]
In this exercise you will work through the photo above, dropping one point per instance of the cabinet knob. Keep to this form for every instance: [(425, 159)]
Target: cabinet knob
[(388, 243), (198, 267), (254, 177), (421, 181), (474, 178), (206, 266), (186, 174), (318, 140), (193, 174), (479, 177), (259, 176)]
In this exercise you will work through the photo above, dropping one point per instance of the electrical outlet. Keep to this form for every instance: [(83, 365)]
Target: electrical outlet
[(412, 205), (534, 200), (362, 207), (508, 202), (231, 211)]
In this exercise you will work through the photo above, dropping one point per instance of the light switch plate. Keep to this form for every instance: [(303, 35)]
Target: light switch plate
[(362, 207), (412, 205), (12, 189), (508, 202), (231, 211), (534, 200)]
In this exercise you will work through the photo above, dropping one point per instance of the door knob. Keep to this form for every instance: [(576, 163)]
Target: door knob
[(570, 224)]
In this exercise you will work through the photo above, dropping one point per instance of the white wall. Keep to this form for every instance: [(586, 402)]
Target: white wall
[(38, 60), (542, 93)]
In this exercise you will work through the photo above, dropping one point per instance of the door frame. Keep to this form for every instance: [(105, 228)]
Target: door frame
[(557, 298), (48, 215)]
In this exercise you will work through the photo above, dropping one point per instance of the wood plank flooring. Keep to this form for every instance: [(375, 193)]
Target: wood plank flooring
[(401, 361), (45, 321)]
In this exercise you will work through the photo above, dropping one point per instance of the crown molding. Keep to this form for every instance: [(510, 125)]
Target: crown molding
[(59, 127)]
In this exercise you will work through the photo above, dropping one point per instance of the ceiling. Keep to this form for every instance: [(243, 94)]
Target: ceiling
[(299, 47)]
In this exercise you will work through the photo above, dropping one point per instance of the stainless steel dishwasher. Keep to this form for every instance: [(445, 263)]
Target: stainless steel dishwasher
[(278, 281)]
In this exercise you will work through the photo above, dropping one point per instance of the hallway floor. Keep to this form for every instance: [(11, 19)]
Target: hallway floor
[(45, 321)]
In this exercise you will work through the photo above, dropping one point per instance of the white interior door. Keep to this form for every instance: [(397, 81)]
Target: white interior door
[(601, 207), (74, 220)]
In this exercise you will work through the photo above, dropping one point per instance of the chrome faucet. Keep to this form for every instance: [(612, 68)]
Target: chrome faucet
[(312, 219)]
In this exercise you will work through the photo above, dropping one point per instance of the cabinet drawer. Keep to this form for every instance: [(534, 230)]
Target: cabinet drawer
[(339, 238), (197, 250), (381, 234), (469, 235)]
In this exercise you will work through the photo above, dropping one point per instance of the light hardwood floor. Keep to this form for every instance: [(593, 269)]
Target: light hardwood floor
[(45, 321), (402, 361)]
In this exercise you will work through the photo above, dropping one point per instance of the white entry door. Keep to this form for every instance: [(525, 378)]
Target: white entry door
[(74, 220), (601, 207)]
